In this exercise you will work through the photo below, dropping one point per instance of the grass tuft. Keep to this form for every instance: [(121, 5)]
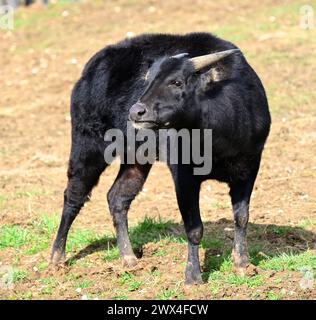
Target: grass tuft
[(293, 262), (13, 236), (20, 276), (170, 293), (150, 230), (130, 280)]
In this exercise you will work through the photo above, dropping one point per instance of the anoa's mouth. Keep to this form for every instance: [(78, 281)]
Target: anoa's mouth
[(148, 124)]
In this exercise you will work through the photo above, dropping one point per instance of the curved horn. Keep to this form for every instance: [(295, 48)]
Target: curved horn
[(203, 61)]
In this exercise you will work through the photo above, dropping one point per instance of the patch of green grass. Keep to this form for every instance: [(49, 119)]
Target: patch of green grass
[(84, 284), (13, 236), (176, 239), (308, 223), (130, 280), (49, 281), (134, 285), (227, 265), (150, 230), (256, 255), (160, 253), (120, 297), (285, 10), (42, 230), (50, 284), (208, 243), (219, 263), (215, 276), (279, 230), (43, 265), (215, 287), (125, 277), (47, 224), (38, 235), (293, 262), (271, 295), (36, 238), (47, 290), (219, 278), (282, 279), (155, 273), (36, 19), (111, 254), (168, 294), (20, 276), (26, 295), (72, 277), (251, 282), (38, 244), (80, 238), (30, 194)]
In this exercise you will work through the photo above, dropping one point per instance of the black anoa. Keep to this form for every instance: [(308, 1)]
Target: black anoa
[(192, 81)]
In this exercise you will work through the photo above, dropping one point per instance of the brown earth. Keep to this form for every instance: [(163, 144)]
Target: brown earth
[(40, 62)]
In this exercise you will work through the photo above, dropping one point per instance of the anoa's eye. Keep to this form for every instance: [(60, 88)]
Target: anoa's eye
[(176, 83)]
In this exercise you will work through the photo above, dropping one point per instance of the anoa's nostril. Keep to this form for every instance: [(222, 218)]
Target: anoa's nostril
[(136, 111), (141, 111)]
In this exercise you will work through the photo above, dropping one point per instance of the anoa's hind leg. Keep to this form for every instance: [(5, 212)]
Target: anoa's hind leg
[(240, 192), (85, 168)]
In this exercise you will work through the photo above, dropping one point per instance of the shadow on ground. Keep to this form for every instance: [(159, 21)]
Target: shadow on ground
[(264, 241)]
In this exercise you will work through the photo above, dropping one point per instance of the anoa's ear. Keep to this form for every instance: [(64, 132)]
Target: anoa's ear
[(211, 76)]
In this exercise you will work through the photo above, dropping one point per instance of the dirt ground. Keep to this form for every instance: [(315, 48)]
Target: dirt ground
[(40, 61)]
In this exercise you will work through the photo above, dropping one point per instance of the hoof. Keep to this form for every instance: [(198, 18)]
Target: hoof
[(58, 257), (249, 270), (193, 274), (240, 271), (241, 263), (193, 280), (129, 261), (193, 277)]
